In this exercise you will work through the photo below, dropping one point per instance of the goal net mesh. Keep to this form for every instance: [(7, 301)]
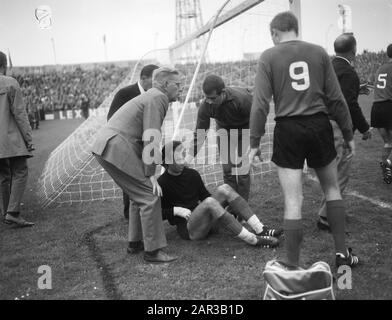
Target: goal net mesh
[(72, 175)]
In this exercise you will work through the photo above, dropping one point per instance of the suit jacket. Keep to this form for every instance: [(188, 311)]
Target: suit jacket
[(120, 141), (123, 96), (349, 83), (15, 130)]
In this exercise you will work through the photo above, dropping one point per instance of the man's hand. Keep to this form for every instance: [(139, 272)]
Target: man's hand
[(367, 135), (156, 188), (254, 156), (351, 148), (182, 212)]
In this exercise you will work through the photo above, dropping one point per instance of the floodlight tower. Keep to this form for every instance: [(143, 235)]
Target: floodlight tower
[(295, 7), (188, 20)]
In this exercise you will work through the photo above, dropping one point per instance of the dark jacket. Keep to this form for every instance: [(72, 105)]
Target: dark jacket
[(122, 96), (349, 83), (233, 113)]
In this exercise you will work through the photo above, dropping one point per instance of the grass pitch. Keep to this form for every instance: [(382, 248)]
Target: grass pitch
[(85, 245)]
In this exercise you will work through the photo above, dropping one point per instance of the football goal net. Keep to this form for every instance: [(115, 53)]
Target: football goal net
[(239, 34)]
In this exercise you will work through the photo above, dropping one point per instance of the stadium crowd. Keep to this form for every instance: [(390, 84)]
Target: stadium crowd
[(367, 64), (52, 90), (49, 91)]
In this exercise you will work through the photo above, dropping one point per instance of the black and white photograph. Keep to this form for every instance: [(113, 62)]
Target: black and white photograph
[(195, 156)]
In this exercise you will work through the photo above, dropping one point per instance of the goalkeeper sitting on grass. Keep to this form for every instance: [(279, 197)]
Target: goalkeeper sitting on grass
[(187, 204)]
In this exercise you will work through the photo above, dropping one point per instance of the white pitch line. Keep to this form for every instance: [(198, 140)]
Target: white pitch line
[(379, 203)]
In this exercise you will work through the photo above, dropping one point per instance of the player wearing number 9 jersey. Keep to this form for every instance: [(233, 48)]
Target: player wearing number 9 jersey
[(301, 79)]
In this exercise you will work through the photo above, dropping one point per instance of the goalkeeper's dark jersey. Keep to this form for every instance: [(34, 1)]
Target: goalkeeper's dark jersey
[(185, 190), (383, 83), (301, 79)]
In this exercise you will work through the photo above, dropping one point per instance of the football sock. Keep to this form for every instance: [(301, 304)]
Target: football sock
[(247, 236), (240, 207), (293, 238), (255, 224), (336, 219), (228, 221)]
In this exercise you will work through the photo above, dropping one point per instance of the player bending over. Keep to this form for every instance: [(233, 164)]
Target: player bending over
[(300, 77), (187, 204), (381, 115)]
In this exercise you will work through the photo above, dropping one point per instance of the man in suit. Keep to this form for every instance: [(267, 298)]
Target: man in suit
[(15, 147), (123, 96), (127, 147), (345, 48)]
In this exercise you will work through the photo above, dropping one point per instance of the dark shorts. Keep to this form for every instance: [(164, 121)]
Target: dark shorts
[(381, 115), (182, 229), (303, 137)]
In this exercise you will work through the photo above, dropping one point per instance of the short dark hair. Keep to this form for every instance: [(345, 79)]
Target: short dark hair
[(168, 150), (285, 21), (148, 70), (3, 60), (213, 82), (389, 51), (345, 43)]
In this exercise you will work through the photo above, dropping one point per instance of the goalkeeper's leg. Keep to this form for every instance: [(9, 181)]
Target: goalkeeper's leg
[(226, 195), (210, 212)]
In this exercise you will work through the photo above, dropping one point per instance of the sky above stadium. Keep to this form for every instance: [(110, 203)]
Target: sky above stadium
[(133, 27)]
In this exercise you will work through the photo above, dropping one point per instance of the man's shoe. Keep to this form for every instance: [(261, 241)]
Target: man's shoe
[(323, 225), (158, 256), (350, 260), (135, 247), (6, 221), (267, 232), (267, 242), (18, 221)]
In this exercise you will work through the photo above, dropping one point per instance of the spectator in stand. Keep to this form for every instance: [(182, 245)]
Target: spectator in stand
[(85, 106)]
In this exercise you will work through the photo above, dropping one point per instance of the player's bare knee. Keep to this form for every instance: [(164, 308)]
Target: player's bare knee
[(210, 202), (224, 190)]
